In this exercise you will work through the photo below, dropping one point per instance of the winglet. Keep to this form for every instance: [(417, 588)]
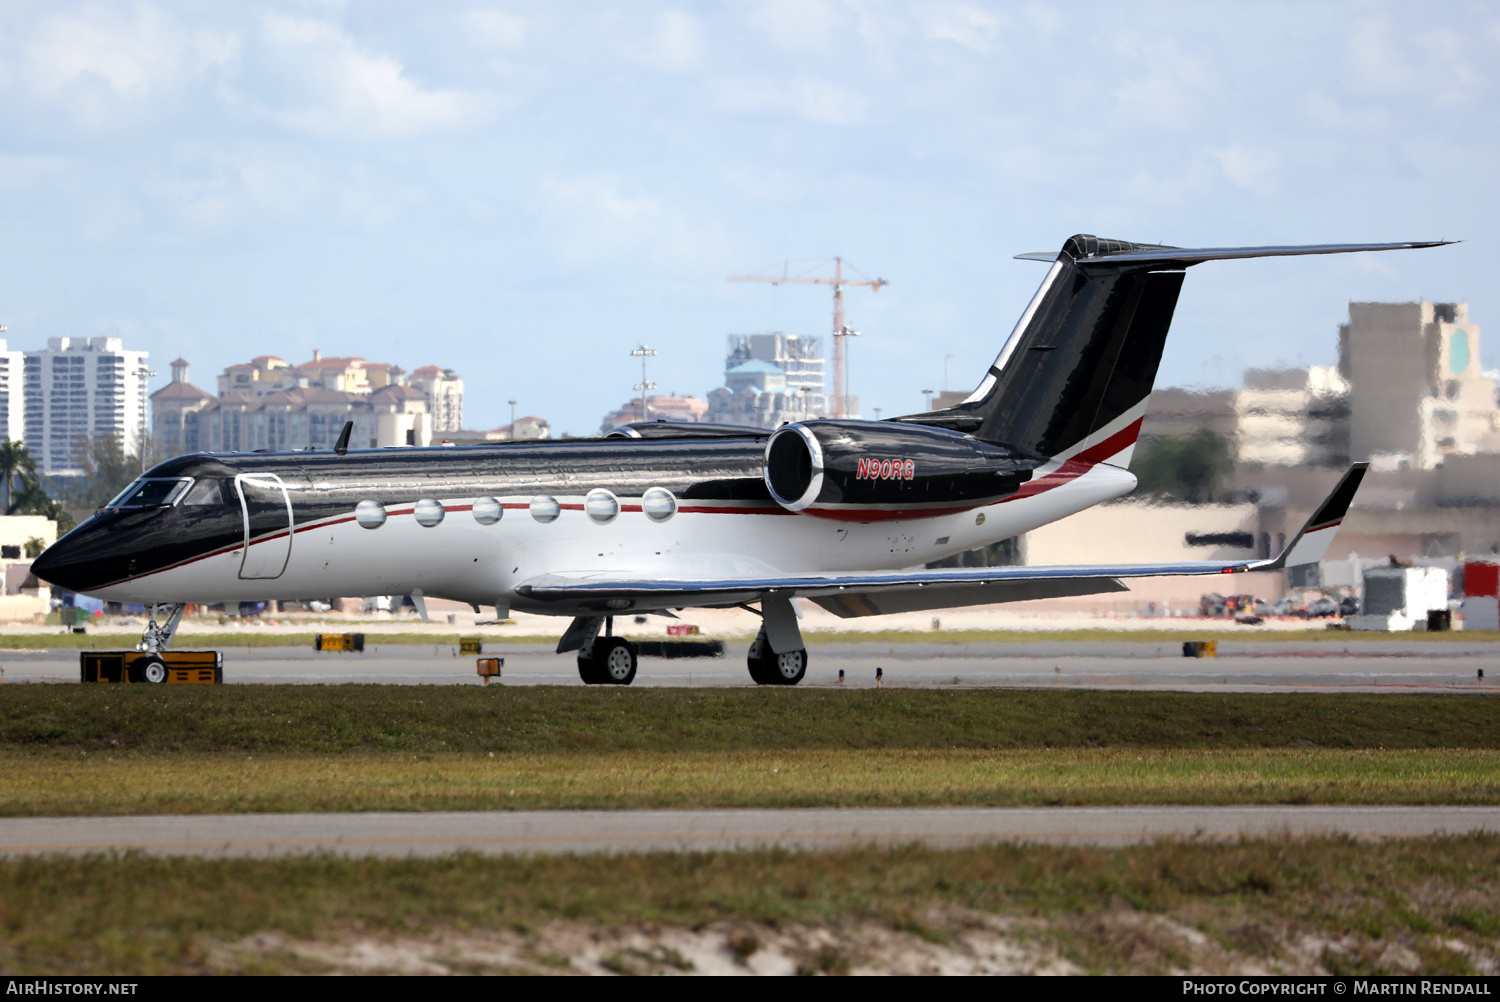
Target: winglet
[(342, 445), (1313, 539)]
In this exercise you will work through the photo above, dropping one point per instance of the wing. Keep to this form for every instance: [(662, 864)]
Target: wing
[(882, 592)]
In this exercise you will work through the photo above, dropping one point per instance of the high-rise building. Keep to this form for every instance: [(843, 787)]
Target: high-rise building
[(445, 396), (80, 387), (1418, 393), (1293, 417), (770, 379), (12, 393), (175, 412)]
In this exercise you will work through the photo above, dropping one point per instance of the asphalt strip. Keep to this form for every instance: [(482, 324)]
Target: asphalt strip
[(528, 832)]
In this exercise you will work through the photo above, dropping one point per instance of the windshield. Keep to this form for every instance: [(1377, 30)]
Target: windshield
[(154, 492)]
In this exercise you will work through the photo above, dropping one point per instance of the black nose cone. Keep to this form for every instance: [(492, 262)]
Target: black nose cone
[(73, 562)]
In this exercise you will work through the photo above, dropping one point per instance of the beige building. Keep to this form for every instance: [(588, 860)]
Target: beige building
[(1418, 394), (1293, 417), (445, 396), (25, 598), (1133, 532)]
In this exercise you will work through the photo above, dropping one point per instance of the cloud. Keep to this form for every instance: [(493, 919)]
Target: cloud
[(337, 88), (810, 99), (1249, 168), (1428, 64), (963, 24), (797, 25), (99, 57), (495, 28), (1167, 89), (678, 44)]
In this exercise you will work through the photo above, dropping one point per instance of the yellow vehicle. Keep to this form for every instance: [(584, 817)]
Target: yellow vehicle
[(166, 667)]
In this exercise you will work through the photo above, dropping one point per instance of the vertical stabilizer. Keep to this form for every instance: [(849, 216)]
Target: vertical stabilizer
[(1073, 379)]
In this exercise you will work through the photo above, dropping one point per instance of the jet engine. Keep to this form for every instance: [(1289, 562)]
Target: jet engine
[(868, 470)]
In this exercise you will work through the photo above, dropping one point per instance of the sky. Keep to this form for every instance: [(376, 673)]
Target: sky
[(525, 192)]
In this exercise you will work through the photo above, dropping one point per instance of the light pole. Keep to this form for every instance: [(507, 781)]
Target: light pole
[(645, 384), (928, 395), (512, 419), (143, 374), (877, 412)]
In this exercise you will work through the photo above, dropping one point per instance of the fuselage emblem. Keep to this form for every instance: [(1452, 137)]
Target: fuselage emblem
[(885, 469)]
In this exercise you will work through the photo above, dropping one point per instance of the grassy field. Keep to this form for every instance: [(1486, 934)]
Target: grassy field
[(1309, 906), (80, 783), (114, 750), (551, 719)]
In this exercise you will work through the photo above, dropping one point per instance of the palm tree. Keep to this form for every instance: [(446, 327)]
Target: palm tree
[(14, 461)]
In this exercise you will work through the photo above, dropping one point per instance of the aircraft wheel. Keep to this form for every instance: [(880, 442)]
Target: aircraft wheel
[(788, 668), (767, 668), (587, 673), (154, 672), (614, 661), (755, 659)]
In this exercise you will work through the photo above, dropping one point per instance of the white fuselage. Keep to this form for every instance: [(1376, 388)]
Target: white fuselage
[(459, 558)]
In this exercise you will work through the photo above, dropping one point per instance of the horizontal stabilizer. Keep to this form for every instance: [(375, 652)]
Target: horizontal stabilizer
[(1185, 256)]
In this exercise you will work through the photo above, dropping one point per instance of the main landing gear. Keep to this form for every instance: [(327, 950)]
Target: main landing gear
[(778, 655), (602, 660)]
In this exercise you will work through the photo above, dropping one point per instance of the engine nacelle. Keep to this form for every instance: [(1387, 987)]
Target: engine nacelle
[(878, 470)]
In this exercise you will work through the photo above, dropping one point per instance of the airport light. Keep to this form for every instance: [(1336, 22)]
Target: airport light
[(645, 384)]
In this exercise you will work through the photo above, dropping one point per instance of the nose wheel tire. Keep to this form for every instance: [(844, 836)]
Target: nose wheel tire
[(154, 672), (612, 662), (787, 668)]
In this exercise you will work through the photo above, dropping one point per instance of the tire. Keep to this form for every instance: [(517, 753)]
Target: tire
[(586, 671), (755, 660), (788, 668), (614, 661), (153, 671)]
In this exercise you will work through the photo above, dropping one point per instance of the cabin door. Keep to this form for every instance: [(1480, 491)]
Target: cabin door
[(267, 509)]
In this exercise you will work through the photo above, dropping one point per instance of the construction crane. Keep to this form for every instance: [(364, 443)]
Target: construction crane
[(841, 331)]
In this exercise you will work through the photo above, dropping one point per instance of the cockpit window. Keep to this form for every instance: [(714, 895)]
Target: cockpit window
[(205, 492), (151, 492)]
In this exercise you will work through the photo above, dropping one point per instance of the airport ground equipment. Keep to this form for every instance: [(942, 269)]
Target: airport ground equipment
[(489, 668), (471, 645), (1200, 649), (1481, 606), (339, 642), (152, 667), (1400, 598)]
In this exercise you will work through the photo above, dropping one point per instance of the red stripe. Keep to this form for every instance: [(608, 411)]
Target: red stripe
[(1116, 443)]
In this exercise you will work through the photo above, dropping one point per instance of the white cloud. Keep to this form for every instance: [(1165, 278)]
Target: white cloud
[(965, 24), (1428, 64), (811, 100), (496, 28), (798, 25), (1167, 88), (678, 44), (97, 57), (1249, 168), (338, 88)]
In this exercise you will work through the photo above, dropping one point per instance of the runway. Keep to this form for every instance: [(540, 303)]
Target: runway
[(552, 832), (1295, 665)]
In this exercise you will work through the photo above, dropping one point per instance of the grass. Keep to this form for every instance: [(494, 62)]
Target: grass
[(134, 749), (604, 721), (1364, 906), (81, 783)]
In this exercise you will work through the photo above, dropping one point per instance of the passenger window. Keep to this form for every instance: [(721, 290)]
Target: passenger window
[(206, 491)]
